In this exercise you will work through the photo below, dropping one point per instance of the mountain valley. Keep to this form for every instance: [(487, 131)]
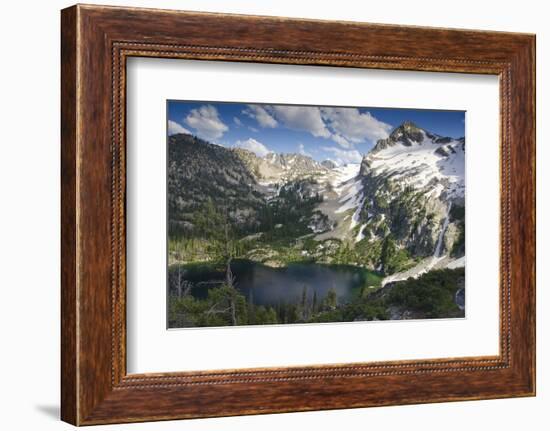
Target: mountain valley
[(398, 215)]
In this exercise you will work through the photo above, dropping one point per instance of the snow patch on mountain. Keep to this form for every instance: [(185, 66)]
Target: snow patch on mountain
[(424, 266), (353, 196), (423, 164), (343, 199), (360, 236)]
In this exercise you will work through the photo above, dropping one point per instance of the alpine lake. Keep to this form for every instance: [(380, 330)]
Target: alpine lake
[(269, 286)]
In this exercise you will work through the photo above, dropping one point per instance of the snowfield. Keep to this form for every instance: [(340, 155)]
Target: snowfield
[(344, 201), (435, 168), (424, 164)]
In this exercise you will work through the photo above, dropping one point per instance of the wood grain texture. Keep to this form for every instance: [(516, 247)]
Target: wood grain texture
[(69, 397), (96, 41)]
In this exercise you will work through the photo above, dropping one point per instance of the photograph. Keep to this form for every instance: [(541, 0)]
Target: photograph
[(293, 214)]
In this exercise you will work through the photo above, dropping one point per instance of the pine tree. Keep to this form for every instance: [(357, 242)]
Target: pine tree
[(304, 303), (314, 306)]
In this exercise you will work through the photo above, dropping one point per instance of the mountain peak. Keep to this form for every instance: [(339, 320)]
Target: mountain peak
[(289, 159), (329, 164), (244, 152), (280, 166), (407, 134), (409, 125)]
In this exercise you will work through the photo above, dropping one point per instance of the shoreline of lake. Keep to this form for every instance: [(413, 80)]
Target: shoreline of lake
[(272, 285)]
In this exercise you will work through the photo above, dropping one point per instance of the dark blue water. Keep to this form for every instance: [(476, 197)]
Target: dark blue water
[(264, 285)]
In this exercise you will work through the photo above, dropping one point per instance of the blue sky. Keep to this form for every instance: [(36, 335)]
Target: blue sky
[(341, 134)]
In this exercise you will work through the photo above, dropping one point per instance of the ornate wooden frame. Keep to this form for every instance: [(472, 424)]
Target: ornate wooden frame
[(95, 42)]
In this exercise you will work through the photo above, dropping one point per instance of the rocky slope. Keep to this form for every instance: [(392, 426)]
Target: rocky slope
[(329, 164), (203, 175), (410, 183), (280, 168), (408, 197)]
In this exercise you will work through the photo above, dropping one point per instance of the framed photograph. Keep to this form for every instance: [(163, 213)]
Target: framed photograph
[(263, 208), (286, 222)]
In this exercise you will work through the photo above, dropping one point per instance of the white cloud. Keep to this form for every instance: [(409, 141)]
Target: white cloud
[(341, 157), (237, 121), (302, 150), (345, 126), (207, 122), (340, 140), (354, 126), (261, 115), (304, 118), (255, 146), (175, 128)]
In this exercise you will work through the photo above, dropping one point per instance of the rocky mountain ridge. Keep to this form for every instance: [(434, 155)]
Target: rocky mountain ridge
[(276, 167), (401, 209), (202, 175), (412, 195)]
